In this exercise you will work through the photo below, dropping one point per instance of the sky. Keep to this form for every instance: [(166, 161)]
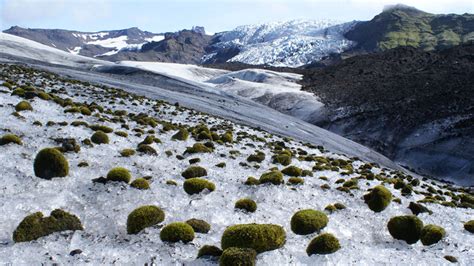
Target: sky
[(215, 15)]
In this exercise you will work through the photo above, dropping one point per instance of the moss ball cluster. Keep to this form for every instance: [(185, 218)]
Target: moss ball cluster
[(143, 217), (378, 198), (100, 137), (323, 244), (246, 204), (260, 237), (35, 225), (431, 234), (406, 227), (49, 163), (273, 177), (238, 256), (178, 231), (197, 185), (199, 226), (140, 183), (10, 138), (308, 221), (194, 171), (119, 174)]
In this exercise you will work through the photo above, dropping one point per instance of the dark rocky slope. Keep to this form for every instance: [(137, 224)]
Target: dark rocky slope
[(413, 106)]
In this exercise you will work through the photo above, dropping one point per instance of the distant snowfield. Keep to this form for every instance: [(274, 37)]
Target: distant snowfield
[(275, 89)]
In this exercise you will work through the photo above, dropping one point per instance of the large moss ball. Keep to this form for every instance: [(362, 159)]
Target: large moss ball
[(273, 177), (323, 244), (246, 204), (197, 185), (10, 138), (119, 174), (23, 106), (308, 221), (100, 137), (177, 231), (209, 251), (199, 226), (143, 217), (378, 199), (35, 225), (194, 171), (238, 256), (49, 163), (431, 234), (260, 237), (406, 227), (469, 226)]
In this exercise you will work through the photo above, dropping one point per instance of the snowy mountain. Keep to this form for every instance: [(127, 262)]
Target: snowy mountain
[(199, 167), (288, 43)]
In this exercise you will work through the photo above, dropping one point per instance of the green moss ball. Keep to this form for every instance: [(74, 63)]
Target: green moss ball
[(199, 226), (273, 177), (308, 221), (295, 180), (469, 226), (323, 244), (143, 217), (119, 174), (49, 163), (140, 183), (100, 137), (197, 185), (209, 251), (292, 171), (406, 227), (177, 231), (260, 237), (246, 204), (431, 234), (23, 106), (238, 256), (182, 134), (10, 138), (378, 199), (194, 171), (127, 152), (282, 159)]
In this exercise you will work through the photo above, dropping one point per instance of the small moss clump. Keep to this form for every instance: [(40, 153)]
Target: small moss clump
[(257, 157), (175, 232), (197, 185), (246, 204), (283, 159), (274, 177), (198, 148), (102, 128), (221, 165), (378, 199), (469, 226), (182, 134), (295, 180), (121, 134), (308, 221), (194, 171), (143, 217), (260, 237), (227, 137), (49, 163), (199, 226), (209, 251), (10, 138), (146, 149), (35, 225), (251, 181), (238, 256), (406, 227), (127, 152), (23, 106), (140, 183), (99, 137), (323, 244), (119, 174), (431, 234), (292, 171)]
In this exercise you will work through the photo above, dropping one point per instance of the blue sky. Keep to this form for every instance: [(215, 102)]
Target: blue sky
[(215, 15)]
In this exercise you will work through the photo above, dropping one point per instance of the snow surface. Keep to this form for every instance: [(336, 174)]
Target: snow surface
[(287, 43), (103, 209)]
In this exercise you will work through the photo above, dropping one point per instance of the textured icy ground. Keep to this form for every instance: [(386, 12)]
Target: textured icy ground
[(287, 43), (103, 209)]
